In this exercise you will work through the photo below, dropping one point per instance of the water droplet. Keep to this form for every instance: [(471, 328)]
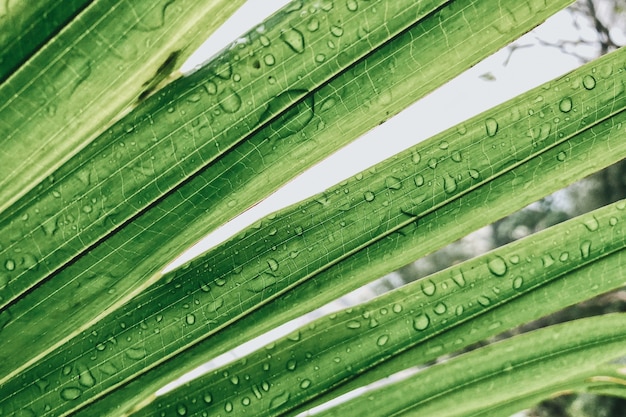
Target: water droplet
[(419, 180), (428, 287), (458, 278), (291, 365), (305, 384), (458, 310), (440, 308), (382, 340), (497, 266), (313, 24), (456, 156), (613, 221), (234, 380), (484, 301), (589, 82), (269, 60), (547, 260), (566, 105), (474, 174), (421, 322), (273, 264), (207, 398), (561, 156), (279, 400), (190, 319), (71, 393), (432, 163), (9, 265), (319, 58), (449, 184), (135, 353), (265, 41), (368, 196), (564, 256), (353, 324), (518, 282), (352, 5), (415, 156), (85, 377), (336, 30), (229, 100), (585, 249), (181, 409), (491, 125), (591, 223), (215, 305), (397, 308), (245, 401), (294, 39), (228, 407), (393, 183)]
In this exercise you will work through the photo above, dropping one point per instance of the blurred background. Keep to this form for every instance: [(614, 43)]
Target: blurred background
[(584, 31)]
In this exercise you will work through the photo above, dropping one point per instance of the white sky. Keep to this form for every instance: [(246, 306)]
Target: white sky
[(526, 68)]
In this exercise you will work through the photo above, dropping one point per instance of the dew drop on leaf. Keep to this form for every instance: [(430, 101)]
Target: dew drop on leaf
[(432, 163), (518, 282), (269, 60), (421, 322), (397, 308), (85, 377), (313, 24), (135, 353), (561, 156), (440, 308), (484, 301), (585, 249), (190, 319), (458, 278), (491, 125), (294, 39), (353, 324), (291, 365), (458, 310), (393, 183), (336, 30), (382, 340), (9, 265), (181, 409), (497, 266), (589, 82), (474, 174), (591, 223), (228, 407), (352, 5), (71, 393), (547, 260), (279, 400), (565, 105), (419, 180), (449, 184), (305, 383), (428, 287), (368, 196), (229, 100), (456, 156), (273, 264)]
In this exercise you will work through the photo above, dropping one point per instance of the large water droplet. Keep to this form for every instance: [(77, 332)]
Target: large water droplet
[(181, 409), (368, 196), (440, 308), (228, 407), (71, 393), (393, 183), (382, 340), (353, 324), (421, 322), (491, 125), (229, 100), (135, 353), (305, 383), (336, 30), (566, 105), (313, 24), (484, 301), (269, 60), (585, 249), (432, 163), (190, 319), (294, 39), (428, 287), (85, 377), (273, 264), (449, 184), (497, 266), (419, 180), (352, 5), (589, 82), (547, 260), (591, 223), (215, 305), (458, 278), (279, 400), (518, 282), (9, 265)]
